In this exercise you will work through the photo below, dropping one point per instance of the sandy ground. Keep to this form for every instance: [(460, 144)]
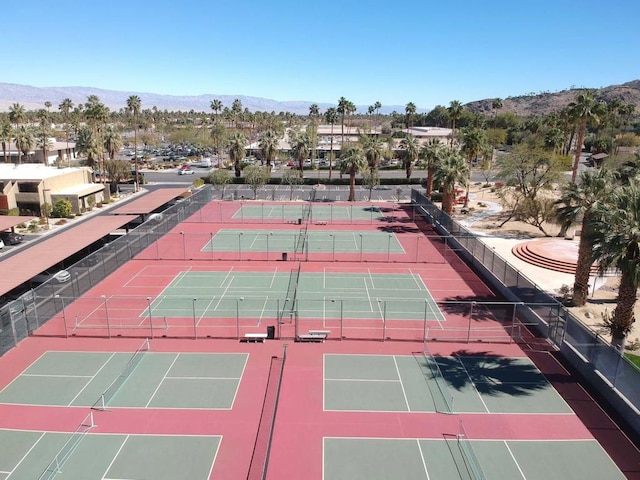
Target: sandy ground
[(485, 217)]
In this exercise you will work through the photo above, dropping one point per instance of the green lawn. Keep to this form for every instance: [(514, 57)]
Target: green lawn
[(635, 359)]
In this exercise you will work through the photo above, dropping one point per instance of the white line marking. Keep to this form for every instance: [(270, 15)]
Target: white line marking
[(161, 381), (92, 379), (515, 461), (404, 393)]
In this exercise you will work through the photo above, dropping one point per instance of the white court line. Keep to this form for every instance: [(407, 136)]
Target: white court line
[(424, 462), (474, 385), (54, 375), (161, 381), (514, 459), (28, 452), (92, 378), (115, 457), (404, 393)]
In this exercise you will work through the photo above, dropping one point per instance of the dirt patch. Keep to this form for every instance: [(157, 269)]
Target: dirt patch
[(602, 300)]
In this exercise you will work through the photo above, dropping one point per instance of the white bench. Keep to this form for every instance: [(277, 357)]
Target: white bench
[(314, 336), (254, 337), (322, 222)]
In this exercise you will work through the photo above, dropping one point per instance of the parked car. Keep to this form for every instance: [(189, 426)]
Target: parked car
[(1, 244), (61, 276), (11, 238), (185, 170)]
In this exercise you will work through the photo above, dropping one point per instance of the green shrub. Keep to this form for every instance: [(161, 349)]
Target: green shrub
[(198, 182), (62, 209)]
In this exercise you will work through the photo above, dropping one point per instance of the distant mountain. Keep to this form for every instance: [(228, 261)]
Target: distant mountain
[(544, 103), (34, 97)]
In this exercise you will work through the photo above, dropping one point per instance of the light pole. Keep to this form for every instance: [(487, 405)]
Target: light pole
[(240, 245), (389, 248), (360, 248), (333, 247), (238, 300), (268, 235), (64, 316), (211, 245), (106, 311), (150, 319), (195, 326), (184, 246)]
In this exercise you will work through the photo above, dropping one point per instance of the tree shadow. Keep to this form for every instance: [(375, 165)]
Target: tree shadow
[(398, 229), (491, 374), (485, 308)]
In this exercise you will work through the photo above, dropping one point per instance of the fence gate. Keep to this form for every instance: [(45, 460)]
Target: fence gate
[(557, 324)]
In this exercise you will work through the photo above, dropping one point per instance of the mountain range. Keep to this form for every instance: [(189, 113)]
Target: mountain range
[(33, 98)]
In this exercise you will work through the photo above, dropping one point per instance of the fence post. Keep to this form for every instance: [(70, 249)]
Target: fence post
[(470, 318)]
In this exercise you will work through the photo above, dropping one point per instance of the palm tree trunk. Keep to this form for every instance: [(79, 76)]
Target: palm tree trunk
[(576, 159), (429, 188), (623, 318), (352, 184), (331, 153), (135, 152), (583, 269)]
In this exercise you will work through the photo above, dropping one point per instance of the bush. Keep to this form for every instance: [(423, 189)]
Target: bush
[(198, 182), (62, 221), (62, 209)]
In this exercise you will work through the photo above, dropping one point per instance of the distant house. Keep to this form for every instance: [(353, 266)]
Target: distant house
[(27, 186), (597, 159), (55, 151)]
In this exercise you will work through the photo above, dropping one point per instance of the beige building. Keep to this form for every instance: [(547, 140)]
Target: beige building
[(61, 152), (27, 186)]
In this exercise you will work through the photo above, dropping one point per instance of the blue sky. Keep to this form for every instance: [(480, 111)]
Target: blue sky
[(427, 52)]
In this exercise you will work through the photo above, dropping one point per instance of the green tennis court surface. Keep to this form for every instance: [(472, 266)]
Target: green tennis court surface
[(457, 458), (394, 383), (311, 212), (157, 380), (25, 455), (317, 295), (340, 241)]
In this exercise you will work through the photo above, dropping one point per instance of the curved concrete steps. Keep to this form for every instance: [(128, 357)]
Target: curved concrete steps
[(558, 255)]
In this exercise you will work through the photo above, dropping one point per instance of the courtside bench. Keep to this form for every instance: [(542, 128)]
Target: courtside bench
[(254, 338), (314, 336)]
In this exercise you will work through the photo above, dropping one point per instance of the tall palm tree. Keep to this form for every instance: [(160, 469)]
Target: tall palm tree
[(455, 112), (495, 106), (331, 117), (473, 142), (343, 108), (134, 104), (24, 141), (6, 135), (377, 105), (43, 141), (575, 205), (269, 146), (370, 110), (97, 115), (65, 107), (410, 152), (314, 110), (236, 111), (451, 170), (112, 141), (584, 110), (17, 114), (352, 161), (614, 231), (300, 148), (409, 111), (372, 148), (237, 145), (86, 144), (431, 152), (216, 106)]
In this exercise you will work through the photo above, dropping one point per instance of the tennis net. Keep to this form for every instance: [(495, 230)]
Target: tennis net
[(55, 466), (289, 303), (103, 402), (470, 458), (436, 373)]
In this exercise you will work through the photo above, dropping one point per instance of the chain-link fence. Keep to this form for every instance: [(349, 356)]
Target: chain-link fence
[(583, 346)]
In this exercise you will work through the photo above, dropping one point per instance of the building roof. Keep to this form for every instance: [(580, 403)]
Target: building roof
[(81, 190), (149, 202), (35, 259), (6, 221), (32, 171)]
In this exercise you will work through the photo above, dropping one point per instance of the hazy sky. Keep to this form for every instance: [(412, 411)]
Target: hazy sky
[(422, 51)]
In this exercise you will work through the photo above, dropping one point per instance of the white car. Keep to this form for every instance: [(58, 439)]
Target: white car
[(1, 244), (60, 276), (185, 171)]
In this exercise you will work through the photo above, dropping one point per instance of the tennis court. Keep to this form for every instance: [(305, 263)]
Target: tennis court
[(29, 455), (451, 384), (309, 212), (456, 457), (342, 241), (106, 380)]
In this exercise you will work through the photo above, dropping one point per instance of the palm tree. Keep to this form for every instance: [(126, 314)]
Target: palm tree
[(372, 148), (473, 142), (495, 106), (370, 110), (269, 146), (17, 115), (343, 107), (431, 152), (314, 110), (43, 141), (24, 141), (576, 204), (300, 148), (112, 141), (455, 111), (411, 151), (6, 134), (331, 116), (65, 107), (97, 115), (236, 111), (585, 109), (216, 106), (377, 105), (451, 170), (237, 144), (133, 107), (352, 161), (410, 111), (615, 235), (87, 144)]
